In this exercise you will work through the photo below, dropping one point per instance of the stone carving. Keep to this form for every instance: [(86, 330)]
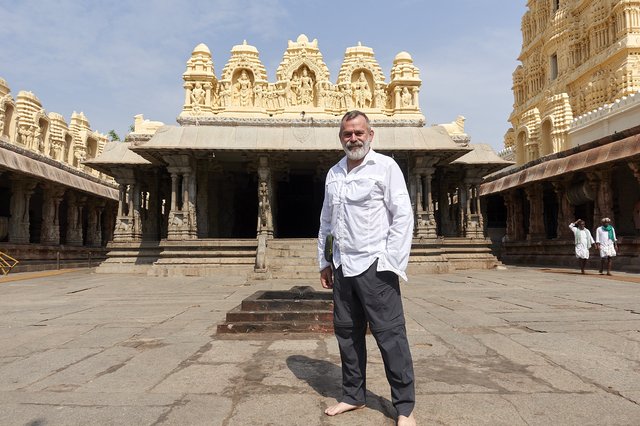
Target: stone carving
[(264, 207), (361, 92), (271, 97), (303, 80), (123, 225), (593, 69), (306, 88), (293, 91), (198, 96), (243, 90), (258, 95), (225, 94), (380, 96), (406, 97)]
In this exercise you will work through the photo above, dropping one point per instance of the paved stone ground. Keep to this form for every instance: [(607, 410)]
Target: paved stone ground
[(503, 347)]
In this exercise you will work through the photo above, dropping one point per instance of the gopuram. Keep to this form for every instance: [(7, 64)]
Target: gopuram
[(575, 134), (240, 179), (54, 211)]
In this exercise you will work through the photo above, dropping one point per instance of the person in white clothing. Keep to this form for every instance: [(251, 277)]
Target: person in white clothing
[(607, 243), (584, 241), (368, 214)]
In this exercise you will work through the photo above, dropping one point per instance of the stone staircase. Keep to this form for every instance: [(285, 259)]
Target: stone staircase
[(299, 310), (293, 258)]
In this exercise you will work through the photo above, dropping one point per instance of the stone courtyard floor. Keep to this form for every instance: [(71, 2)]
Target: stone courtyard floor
[(521, 346)]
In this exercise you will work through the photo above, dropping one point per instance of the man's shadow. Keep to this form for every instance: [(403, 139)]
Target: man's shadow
[(325, 378)]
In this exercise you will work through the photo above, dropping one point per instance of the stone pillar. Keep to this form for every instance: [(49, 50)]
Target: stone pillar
[(94, 223), (463, 212), (565, 214), (136, 202), (604, 200), (536, 209), (21, 191), (474, 227), (425, 222), (122, 199), (182, 223), (265, 212), (175, 224), (203, 214), (445, 208), (75, 207), (187, 94), (50, 230), (515, 225), (128, 224), (174, 191), (109, 219), (191, 205), (151, 221)]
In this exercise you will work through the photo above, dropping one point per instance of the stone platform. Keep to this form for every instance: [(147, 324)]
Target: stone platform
[(300, 309)]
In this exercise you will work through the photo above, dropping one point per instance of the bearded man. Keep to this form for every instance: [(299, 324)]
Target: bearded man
[(367, 212)]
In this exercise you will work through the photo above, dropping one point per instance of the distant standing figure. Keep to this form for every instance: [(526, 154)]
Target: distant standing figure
[(584, 241), (607, 243)]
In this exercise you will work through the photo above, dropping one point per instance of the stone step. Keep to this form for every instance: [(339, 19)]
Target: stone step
[(299, 309), (292, 253), (288, 274), (276, 327), (299, 298), (240, 315), (293, 261)]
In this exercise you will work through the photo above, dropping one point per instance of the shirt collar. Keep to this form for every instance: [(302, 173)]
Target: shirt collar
[(369, 158)]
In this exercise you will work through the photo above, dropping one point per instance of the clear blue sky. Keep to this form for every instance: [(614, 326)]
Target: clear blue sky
[(114, 59)]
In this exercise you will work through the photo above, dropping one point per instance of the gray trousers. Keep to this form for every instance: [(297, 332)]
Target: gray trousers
[(372, 297)]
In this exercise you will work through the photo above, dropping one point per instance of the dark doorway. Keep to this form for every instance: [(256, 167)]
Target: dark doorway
[(299, 200), (231, 205)]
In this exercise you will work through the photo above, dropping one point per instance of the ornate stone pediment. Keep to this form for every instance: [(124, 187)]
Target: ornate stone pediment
[(302, 85)]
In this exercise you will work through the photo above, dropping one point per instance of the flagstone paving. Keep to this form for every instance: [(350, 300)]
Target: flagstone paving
[(520, 346)]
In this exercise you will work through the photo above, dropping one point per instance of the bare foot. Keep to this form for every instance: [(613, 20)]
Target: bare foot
[(341, 407), (407, 421)]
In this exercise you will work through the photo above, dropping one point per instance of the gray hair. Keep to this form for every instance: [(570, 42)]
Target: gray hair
[(350, 115)]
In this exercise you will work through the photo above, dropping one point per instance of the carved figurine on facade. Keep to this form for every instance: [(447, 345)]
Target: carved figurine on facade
[(258, 95), (243, 90), (198, 97), (306, 88), (406, 97), (361, 92), (293, 91)]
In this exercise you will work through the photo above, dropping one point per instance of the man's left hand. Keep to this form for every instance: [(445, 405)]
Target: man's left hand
[(326, 277)]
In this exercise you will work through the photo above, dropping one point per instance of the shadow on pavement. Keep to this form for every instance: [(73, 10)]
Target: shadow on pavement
[(325, 378)]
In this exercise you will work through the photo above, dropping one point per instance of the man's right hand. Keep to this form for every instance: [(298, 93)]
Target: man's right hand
[(326, 277)]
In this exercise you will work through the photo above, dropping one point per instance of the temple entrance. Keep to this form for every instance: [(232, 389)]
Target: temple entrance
[(299, 201), (229, 209)]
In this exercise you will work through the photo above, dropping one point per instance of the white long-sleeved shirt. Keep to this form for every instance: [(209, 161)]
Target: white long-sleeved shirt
[(368, 211)]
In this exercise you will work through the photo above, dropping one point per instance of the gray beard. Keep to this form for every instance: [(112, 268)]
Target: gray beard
[(358, 153)]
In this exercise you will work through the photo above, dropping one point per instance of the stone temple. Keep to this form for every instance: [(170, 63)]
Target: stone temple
[(240, 179), (55, 212)]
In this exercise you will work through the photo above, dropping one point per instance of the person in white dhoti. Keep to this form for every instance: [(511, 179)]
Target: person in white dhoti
[(584, 241), (607, 243)]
